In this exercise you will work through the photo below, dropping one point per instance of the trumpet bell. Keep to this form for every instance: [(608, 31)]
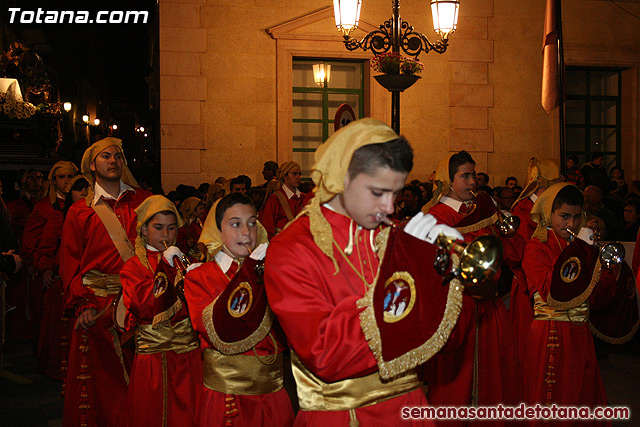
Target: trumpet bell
[(612, 254), (481, 260), (508, 226)]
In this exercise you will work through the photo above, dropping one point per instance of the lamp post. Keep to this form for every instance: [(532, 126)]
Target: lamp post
[(395, 35)]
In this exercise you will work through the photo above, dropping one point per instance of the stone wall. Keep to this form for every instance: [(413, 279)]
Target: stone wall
[(225, 99)]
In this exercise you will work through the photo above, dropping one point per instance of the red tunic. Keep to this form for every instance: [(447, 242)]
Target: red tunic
[(272, 215), (520, 304), (317, 310), (55, 328), (182, 371), (95, 385), (188, 236), (450, 373), (26, 296), (202, 286), (19, 210), (577, 378)]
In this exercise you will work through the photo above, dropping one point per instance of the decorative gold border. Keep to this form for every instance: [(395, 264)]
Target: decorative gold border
[(401, 364), (231, 348), (580, 298), (575, 259), (408, 279), (478, 225), (611, 340), (242, 285), (166, 279)]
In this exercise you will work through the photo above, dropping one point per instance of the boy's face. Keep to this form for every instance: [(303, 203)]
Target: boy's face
[(366, 196), (463, 181), (161, 228), (239, 229), (566, 217)]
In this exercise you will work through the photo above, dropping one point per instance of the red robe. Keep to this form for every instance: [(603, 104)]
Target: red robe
[(95, 385), (26, 296), (520, 304), (183, 370), (577, 374), (450, 373), (188, 236), (202, 286), (272, 215), (317, 310), (55, 328)]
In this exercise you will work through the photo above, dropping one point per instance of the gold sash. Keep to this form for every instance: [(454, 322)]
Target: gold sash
[(240, 374), (577, 315), (179, 338), (316, 395), (102, 284)]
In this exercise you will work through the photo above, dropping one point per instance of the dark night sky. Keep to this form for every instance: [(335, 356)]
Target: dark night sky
[(113, 58)]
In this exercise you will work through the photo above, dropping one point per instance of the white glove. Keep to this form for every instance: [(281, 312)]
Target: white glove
[(586, 235), (439, 229), (170, 253), (193, 266), (259, 252), (426, 227)]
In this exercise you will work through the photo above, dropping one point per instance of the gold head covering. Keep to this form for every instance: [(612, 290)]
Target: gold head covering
[(330, 169), (145, 211), (90, 155), (212, 238), (23, 187), (441, 183), (73, 181), (540, 173), (284, 170), (62, 167), (541, 211), (188, 206)]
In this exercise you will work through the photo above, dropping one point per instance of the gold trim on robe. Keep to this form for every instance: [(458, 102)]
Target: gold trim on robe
[(242, 374), (102, 284), (179, 338), (542, 311), (317, 395)]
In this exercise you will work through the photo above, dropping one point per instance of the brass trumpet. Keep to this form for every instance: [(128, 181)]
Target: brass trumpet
[(181, 262), (508, 225), (480, 260), (610, 254)]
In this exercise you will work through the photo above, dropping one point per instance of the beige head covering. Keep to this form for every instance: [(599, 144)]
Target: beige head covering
[(188, 206), (441, 183), (89, 156), (23, 187), (540, 173), (541, 211), (145, 211), (285, 169), (62, 167), (332, 163), (212, 238)]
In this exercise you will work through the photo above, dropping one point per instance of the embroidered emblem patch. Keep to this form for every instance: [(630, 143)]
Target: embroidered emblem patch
[(570, 270), (400, 296), (240, 300)]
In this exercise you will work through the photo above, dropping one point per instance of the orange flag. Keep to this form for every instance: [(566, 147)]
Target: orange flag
[(550, 78)]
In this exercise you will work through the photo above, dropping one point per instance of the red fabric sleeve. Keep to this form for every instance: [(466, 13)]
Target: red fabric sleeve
[(137, 292), (44, 257), (41, 214), (538, 266), (321, 320), (268, 215), (72, 249)]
